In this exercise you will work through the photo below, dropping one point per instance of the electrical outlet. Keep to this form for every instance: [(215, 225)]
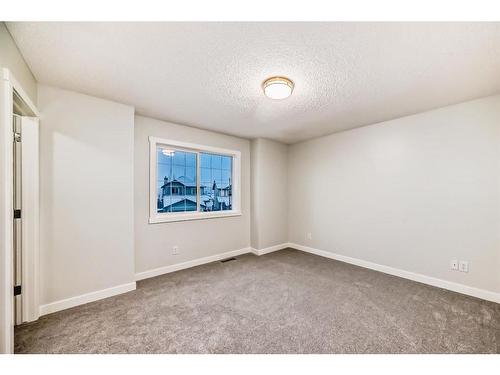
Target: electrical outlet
[(309, 236), (454, 264), (175, 250), (463, 266)]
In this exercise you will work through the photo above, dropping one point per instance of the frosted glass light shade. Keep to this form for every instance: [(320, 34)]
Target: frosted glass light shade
[(277, 87)]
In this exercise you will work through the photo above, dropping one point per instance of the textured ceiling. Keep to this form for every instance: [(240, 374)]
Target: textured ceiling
[(208, 75)]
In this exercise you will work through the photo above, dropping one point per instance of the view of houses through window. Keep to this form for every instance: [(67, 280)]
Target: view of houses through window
[(177, 176)]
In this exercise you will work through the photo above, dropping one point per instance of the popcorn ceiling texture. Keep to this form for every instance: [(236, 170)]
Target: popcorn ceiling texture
[(283, 302), (208, 75)]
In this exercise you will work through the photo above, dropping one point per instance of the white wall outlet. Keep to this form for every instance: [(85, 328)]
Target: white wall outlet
[(175, 250), (309, 236), (454, 264), (463, 266)]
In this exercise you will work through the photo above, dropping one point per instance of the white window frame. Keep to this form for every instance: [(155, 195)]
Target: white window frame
[(165, 217)]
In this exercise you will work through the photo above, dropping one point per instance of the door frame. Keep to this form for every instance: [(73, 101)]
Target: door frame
[(8, 87)]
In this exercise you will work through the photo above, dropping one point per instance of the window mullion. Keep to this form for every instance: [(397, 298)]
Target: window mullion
[(198, 195)]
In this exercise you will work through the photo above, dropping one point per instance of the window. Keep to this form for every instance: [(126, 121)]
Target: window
[(189, 181)]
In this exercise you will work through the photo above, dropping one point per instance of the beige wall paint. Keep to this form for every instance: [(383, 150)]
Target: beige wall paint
[(197, 238), (411, 193), (269, 193), (11, 58), (86, 194)]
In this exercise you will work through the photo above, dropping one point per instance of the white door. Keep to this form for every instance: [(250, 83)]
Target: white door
[(17, 206), (26, 216), (30, 218)]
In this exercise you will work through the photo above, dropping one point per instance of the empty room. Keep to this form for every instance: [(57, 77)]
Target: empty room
[(250, 187)]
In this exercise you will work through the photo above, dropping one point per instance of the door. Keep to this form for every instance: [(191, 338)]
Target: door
[(17, 206), (25, 204), (30, 218)]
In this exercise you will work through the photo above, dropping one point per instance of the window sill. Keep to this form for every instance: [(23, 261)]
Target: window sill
[(168, 218)]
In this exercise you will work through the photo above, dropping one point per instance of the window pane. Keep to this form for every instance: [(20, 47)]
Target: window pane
[(216, 175), (205, 160), (176, 180), (215, 183), (226, 163), (216, 161), (191, 159), (206, 175), (179, 158), (226, 177), (191, 175), (178, 171)]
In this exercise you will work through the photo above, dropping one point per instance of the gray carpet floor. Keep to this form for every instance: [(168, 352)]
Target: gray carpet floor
[(283, 302)]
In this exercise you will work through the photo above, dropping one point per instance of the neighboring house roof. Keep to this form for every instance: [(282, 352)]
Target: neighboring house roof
[(186, 181), (174, 199), (182, 180)]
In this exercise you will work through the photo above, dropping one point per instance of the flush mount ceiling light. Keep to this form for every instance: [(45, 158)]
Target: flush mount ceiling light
[(277, 87)]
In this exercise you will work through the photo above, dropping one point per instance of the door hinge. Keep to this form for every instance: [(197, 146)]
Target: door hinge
[(17, 214), (17, 137), (17, 290)]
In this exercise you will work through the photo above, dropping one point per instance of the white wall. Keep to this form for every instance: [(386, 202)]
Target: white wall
[(411, 193), (269, 193), (197, 238), (86, 193), (11, 58)]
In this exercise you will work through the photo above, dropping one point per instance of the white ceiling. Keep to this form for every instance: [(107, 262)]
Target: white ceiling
[(208, 75)]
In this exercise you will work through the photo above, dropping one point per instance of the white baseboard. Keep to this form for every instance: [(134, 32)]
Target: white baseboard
[(109, 292), (440, 283), (85, 298), (105, 293), (213, 258), (270, 249), (192, 263)]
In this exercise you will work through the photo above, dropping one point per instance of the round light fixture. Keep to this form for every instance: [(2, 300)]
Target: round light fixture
[(277, 87)]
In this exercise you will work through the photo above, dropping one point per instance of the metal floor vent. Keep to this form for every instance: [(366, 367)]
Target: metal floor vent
[(227, 260)]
